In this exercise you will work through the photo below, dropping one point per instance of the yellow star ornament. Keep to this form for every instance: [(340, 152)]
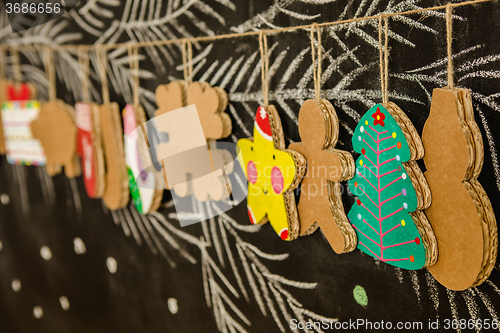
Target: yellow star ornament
[(273, 173)]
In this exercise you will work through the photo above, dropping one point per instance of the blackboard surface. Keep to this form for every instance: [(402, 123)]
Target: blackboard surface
[(225, 274)]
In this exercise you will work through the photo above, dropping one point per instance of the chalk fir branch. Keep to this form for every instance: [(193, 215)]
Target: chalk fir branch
[(385, 194)]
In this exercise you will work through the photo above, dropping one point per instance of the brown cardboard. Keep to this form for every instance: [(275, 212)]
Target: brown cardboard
[(56, 129), (461, 215), (170, 97), (116, 193), (210, 103), (320, 200)]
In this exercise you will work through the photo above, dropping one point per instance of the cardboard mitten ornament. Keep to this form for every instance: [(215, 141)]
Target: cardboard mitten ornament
[(391, 191), (320, 200), (461, 213), (56, 129), (89, 147), (116, 192), (273, 172)]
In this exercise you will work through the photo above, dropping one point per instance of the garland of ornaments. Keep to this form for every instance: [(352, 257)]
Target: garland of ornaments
[(402, 216)]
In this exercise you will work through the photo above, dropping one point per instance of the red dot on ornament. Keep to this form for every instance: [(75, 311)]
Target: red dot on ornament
[(284, 234), (363, 151), (358, 202), (417, 241), (412, 259), (355, 184), (399, 145)]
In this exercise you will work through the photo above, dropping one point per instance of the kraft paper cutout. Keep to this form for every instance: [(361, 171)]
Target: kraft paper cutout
[(116, 193), (273, 173), (146, 190), (89, 147), (320, 200), (21, 146), (391, 190), (461, 213), (210, 104), (55, 127), (3, 98)]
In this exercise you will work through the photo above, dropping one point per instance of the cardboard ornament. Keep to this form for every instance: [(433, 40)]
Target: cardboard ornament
[(55, 127), (210, 104), (320, 200), (116, 192), (461, 213), (273, 173), (146, 190), (89, 147), (391, 191), (17, 114)]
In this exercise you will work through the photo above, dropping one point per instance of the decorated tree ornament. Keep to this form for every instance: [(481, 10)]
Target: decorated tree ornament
[(273, 173), (461, 213), (320, 200), (116, 192), (146, 190), (391, 191), (89, 147), (55, 127)]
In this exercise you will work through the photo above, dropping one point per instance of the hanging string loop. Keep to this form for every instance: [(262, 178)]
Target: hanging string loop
[(48, 62), (384, 55), (84, 64), (265, 66), (133, 55), (449, 28), (316, 67), (103, 64)]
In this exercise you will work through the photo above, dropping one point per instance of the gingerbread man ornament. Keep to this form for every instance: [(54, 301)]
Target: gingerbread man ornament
[(320, 200)]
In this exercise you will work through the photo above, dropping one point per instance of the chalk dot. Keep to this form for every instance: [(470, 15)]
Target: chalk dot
[(358, 202), (405, 205), (417, 241), (172, 305), (79, 246), (403, 223), (45, 253), (16, 285), (412, 259), (37, 312), (359, 138), (363, 151), (366, 122), (361, 162), (112, 265), (398, 158), (403, 192), (4, 198), (64, 303), (362, 129), (403, 176), (394, 135), (399, 145), (355, 184)]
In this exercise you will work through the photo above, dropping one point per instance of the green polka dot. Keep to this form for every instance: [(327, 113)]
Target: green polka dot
[(360, 296)]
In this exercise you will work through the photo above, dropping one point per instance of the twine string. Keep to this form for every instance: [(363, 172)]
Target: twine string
[(133, 55), (449, 27), (103, 64), (2, 63), (265, 66), (316, 68), (84, 64), (50, 72), (384, 56), (187, 61)]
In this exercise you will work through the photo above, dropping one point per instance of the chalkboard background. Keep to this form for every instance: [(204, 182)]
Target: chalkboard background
[(225, 274)]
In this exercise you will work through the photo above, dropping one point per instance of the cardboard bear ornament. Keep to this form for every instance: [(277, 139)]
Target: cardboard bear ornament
[(461, 213), (56, 129), (321, 201), (116, 192), (90, 148), (391, 191), (273, 172)]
